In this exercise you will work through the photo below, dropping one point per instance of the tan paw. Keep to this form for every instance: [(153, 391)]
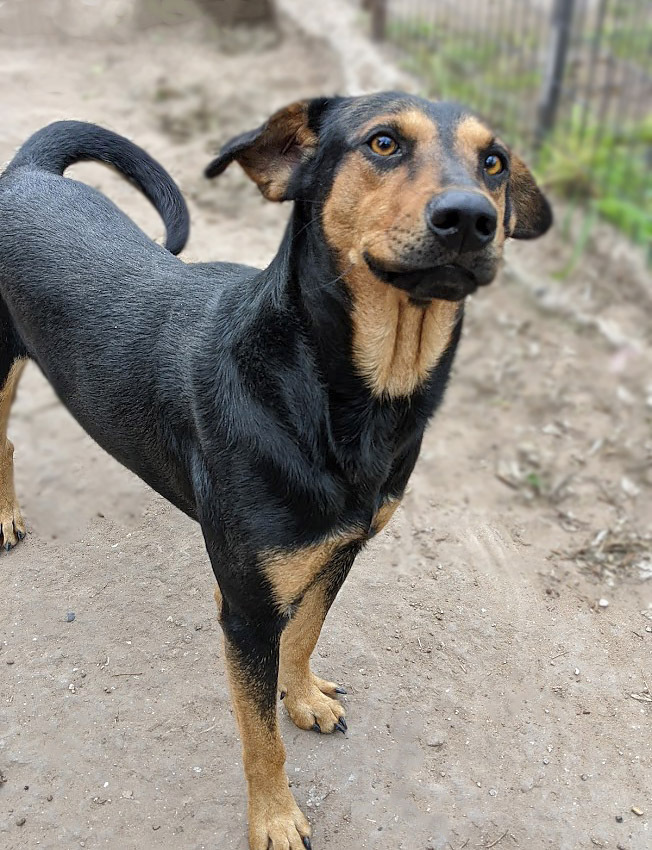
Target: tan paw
[(12, 525), (331, 689), (310, 706), (277, 823)]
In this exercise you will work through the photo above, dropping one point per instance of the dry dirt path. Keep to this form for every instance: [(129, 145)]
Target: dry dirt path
[(492, 701)]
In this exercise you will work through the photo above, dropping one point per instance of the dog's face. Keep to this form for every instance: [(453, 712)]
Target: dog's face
[(420, 194)]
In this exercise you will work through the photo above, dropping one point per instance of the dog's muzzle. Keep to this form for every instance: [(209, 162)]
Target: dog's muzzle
[(447, 281)]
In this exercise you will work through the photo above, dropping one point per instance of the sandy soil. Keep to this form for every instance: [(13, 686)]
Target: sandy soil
[(493, 702)]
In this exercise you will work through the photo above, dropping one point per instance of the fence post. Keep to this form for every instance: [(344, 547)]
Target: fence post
[(378, 9), (561, 25)]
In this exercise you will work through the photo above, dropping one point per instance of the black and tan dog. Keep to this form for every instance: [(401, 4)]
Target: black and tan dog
[(282, 409)]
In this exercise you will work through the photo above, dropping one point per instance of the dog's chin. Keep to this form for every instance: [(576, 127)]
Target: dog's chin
[(448, 281)]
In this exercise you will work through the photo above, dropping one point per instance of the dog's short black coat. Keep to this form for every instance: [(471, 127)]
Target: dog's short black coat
[(246, 397)]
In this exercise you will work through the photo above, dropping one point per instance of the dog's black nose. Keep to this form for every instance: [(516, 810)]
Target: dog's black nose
[(462, 221)]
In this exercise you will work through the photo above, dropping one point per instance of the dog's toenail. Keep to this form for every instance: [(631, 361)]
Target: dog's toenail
[(316, 727), (340, 691)]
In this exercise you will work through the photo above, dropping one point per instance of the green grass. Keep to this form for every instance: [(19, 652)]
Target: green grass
[(605, 168)]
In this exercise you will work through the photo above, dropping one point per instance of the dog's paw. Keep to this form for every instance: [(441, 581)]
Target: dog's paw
[(331, 689), (277, 823), (12, 525), (311, 705)]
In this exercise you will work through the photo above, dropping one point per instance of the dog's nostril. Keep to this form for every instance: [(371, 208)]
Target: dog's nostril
[(462, 220), (485, 226), (446, 220)]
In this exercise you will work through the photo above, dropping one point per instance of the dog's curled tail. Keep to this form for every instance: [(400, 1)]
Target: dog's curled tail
[(63, 143)]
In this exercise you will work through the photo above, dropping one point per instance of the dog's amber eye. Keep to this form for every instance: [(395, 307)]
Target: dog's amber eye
[(383, 145), (493, 164)]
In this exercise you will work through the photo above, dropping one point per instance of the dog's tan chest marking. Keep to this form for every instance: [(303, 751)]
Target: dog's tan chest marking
[(384, 514), (291, 573), (396, 344)]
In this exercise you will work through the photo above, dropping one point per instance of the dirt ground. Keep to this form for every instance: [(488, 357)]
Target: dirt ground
[(495, 640)]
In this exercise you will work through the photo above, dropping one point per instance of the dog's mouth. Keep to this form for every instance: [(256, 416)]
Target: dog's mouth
[(448, 281)]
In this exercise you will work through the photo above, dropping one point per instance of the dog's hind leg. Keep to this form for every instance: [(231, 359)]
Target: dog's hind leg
[(12, 525)]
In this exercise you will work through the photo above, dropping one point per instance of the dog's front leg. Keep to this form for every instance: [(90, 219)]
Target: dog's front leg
[(309, 700), (252, 653)]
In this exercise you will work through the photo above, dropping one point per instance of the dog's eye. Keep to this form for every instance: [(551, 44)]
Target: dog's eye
[(494, 164), (383, 145)]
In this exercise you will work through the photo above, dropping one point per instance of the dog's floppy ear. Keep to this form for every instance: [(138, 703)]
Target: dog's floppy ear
[(271, 154), (530, 214)]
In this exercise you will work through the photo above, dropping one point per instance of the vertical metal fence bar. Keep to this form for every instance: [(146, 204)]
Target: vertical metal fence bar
[(378, 9), (594, 52), (552, 87)]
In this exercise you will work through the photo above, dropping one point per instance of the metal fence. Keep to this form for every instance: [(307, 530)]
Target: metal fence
[(568, 81)]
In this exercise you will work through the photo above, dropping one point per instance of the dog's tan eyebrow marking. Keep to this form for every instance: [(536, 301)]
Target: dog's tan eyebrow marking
[(471, 137), (413, 124)]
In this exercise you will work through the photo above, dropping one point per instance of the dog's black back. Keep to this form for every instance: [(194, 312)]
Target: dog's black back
[(66, 251)]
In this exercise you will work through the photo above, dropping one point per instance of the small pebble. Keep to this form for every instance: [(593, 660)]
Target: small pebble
[(584, 777), (619, 818), (70, 616), (603, 603), (20, 821), (49, 798), (493, 792), (10, 662), (637, 811)]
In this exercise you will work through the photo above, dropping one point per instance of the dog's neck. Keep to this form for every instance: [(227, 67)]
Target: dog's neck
[(302, 308), (368, 335)]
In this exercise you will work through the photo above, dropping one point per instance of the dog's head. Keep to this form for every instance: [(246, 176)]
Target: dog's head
[(421, 193)]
